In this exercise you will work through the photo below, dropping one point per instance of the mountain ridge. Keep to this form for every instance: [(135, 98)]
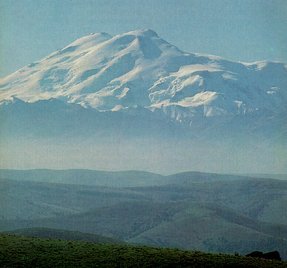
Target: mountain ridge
[(111, 73)]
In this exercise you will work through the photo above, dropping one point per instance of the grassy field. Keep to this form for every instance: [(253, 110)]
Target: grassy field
[(19, 251)]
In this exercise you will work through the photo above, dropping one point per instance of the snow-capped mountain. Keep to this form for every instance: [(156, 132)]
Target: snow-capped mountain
[(138, 68), (145, 99)]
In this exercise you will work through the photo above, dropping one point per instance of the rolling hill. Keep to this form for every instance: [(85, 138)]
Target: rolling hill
[(210, 212), (63, 235)]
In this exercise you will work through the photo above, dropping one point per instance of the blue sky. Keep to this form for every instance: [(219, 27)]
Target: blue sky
[(245, 30)]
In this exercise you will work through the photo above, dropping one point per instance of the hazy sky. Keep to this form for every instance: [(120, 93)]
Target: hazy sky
[(245, 30)]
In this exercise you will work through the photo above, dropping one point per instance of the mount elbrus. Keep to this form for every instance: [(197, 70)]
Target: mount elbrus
[(136, 85)]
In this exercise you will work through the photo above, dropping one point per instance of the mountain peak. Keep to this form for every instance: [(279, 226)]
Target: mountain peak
[(139, 68), (143, 32), (91, 39)]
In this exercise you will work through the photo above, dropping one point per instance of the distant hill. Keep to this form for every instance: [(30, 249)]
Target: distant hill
[(85, 177), (18, 251), (130, 178), (269, 176)]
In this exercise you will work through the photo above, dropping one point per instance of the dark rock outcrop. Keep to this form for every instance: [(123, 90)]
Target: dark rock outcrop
[(273, 255)]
